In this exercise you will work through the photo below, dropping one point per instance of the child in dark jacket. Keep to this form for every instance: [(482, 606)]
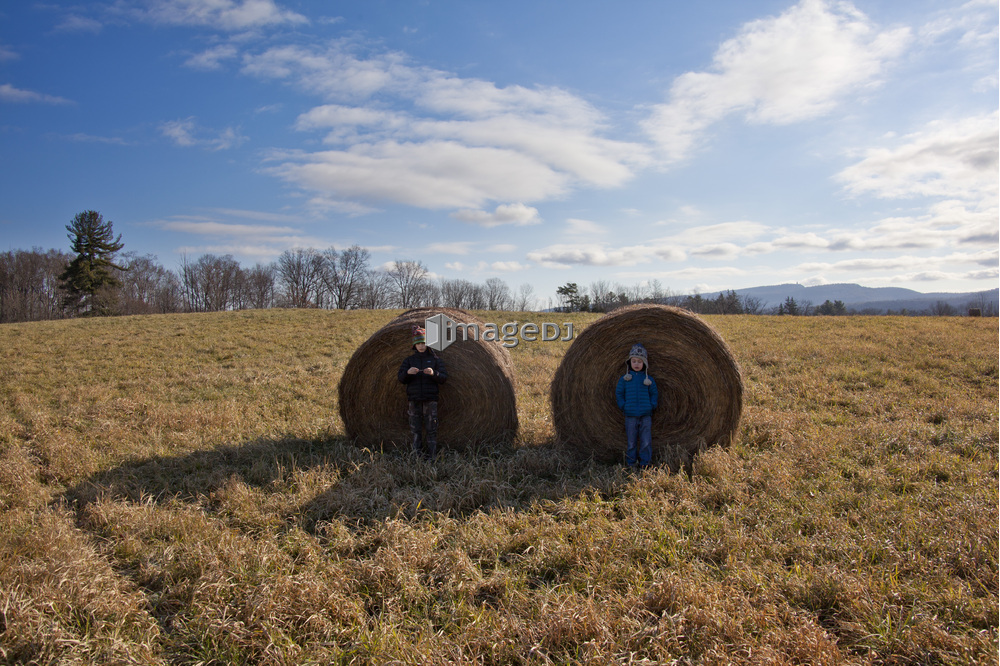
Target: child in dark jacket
[(422, 372), (637, 398)]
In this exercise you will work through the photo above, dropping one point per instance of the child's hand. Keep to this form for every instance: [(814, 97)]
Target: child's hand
[(413, 371), (428, 371)]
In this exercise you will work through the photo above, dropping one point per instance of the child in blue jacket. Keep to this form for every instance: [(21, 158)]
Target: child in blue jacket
[(637, 398)]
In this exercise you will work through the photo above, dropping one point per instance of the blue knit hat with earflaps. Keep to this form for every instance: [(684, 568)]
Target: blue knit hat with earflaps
[(638, 351)]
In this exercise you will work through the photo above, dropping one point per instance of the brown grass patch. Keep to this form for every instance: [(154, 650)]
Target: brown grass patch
[(180, 489)]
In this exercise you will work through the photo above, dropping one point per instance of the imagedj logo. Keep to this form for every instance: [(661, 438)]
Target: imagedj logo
[(441, 331)]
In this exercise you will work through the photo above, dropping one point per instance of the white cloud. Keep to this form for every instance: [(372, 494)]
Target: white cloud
[(501, 248), (487, 267), (80, 137), (6, 53), (723, 232), (516, 214), (576, 227), (207, 227), (451, 142), (800, 241), (955, 159), (694, 272), (779, 70), (333, 72), (257, 215), (213, 57), (950, 276), (9, 93), (457, 247), (219, 14), (593, 254), (716, 251), (243, 239), (186, 133), (322, 205), (507, 266), (912, 262), (428, 175), (975, 21), (77, 23)]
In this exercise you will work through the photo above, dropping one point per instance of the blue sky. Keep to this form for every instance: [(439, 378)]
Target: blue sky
[(709, 146)]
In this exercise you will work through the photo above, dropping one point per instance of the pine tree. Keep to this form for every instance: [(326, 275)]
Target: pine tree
[(89, 277)]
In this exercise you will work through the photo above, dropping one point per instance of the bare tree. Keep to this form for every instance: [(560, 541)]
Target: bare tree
[(497, 294), (525, 298), (657, 293), (300, 274), (407, 277), (258, 286), (375, 290), (477, 297), (209, 284), (986, 305), (428, 294), (30, 289), (147, 287), (455, 293), (943, 309), (343, 273), (601, 297), (752, 305)]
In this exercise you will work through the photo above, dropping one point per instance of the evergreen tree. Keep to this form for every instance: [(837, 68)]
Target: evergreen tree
[(570, 296), (89, 278)]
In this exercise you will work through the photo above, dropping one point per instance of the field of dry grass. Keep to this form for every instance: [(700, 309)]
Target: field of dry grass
[(177, 490)]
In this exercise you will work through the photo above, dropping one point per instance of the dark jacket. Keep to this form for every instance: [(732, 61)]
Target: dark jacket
[(421, 386), (634, 397)]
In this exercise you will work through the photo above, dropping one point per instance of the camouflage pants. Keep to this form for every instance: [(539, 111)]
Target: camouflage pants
[(424, 417)]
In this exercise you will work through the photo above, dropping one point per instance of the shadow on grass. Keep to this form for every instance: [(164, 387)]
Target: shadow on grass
[(260, 463), (457, 484), (357, 485)]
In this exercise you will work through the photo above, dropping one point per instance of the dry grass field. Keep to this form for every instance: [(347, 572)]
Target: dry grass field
[(177, 489)]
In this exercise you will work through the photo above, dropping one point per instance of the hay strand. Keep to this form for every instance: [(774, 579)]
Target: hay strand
[(699, 383), (477, 403)]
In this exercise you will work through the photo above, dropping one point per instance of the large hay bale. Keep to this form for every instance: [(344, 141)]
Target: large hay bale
[(700, 385), (477, 403)]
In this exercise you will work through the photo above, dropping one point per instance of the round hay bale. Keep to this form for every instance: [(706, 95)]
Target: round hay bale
[(700, 385), (476, 404)]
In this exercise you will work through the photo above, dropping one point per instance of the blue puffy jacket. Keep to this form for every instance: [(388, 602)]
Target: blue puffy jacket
[(634, 397)]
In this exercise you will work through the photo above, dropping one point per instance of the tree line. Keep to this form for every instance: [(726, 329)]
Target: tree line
[(97, 278), (31, 288), (602, 296)]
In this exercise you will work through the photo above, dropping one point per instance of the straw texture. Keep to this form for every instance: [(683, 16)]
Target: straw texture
[(699, 382), (476, 404)]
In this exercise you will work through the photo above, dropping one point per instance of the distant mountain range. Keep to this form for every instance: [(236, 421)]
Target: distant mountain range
[(873, 299)]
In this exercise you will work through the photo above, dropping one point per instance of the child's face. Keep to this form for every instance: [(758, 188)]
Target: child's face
[(421, 347), (636, 363)]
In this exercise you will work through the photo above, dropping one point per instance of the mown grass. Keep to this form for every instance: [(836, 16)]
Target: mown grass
[(177, 489)]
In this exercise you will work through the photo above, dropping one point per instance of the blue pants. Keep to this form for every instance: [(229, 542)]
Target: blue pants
[(639, 433)]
